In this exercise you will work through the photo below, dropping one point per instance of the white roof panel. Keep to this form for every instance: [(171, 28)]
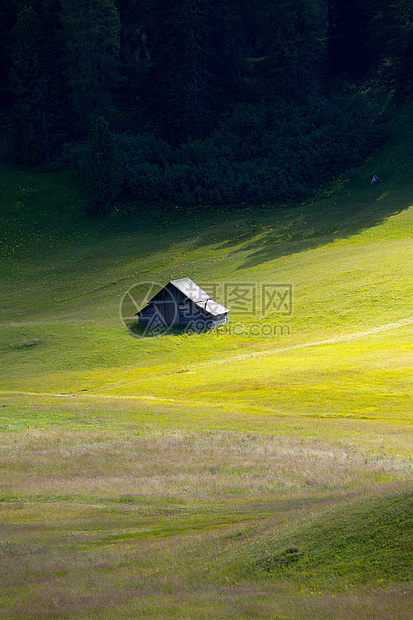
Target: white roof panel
[(198, 296)]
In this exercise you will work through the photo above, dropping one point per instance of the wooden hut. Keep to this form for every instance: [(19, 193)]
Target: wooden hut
[(182, 302)]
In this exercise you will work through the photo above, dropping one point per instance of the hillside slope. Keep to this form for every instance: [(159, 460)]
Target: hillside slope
[(261, 471), (63, 275)]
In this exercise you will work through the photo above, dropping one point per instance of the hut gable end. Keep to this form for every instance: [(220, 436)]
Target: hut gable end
[(182, 302)]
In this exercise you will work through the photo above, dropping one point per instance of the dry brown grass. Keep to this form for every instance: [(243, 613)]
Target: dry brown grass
[(123, 517), (201, 467)]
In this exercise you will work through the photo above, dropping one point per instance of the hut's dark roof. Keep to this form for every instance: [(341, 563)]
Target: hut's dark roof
[(199, 297)]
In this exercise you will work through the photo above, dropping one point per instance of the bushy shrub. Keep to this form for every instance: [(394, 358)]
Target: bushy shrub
[(144, 181), (138, 148), (256, 155)]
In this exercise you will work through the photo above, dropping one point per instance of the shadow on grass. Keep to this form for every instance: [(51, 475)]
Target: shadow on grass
[(265, 233), (140, 331), (271, 233)]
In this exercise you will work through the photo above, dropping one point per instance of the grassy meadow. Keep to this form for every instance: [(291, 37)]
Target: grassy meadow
[(255, 472)]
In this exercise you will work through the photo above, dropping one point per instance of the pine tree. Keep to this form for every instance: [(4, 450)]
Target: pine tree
[(399, 47), (135, 92), (281, 45), (8, 17), (348, 37), (224, 41), (297, 46), (29, 84), (133, 48), (37, 81), (103, 175), (91, 32), (53, 63), (178, 48)]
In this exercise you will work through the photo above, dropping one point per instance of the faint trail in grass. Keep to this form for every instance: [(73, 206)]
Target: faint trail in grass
[(114, 385), (338, 339), (237, 358)]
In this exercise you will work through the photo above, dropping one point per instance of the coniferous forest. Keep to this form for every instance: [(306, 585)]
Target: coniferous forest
[(201, 102)]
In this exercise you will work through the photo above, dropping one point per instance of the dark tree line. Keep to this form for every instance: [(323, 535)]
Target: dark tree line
[(195, 71)]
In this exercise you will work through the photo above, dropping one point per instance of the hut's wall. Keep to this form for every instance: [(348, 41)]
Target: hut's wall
[(220, 319), (174, 308), (199, 319), (166, 304)]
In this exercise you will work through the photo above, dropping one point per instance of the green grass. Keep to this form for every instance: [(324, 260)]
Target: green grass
[(168, 477), (364, 541)]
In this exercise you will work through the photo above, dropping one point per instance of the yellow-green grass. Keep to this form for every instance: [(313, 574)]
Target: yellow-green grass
[(159, 477), (62, 284)]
